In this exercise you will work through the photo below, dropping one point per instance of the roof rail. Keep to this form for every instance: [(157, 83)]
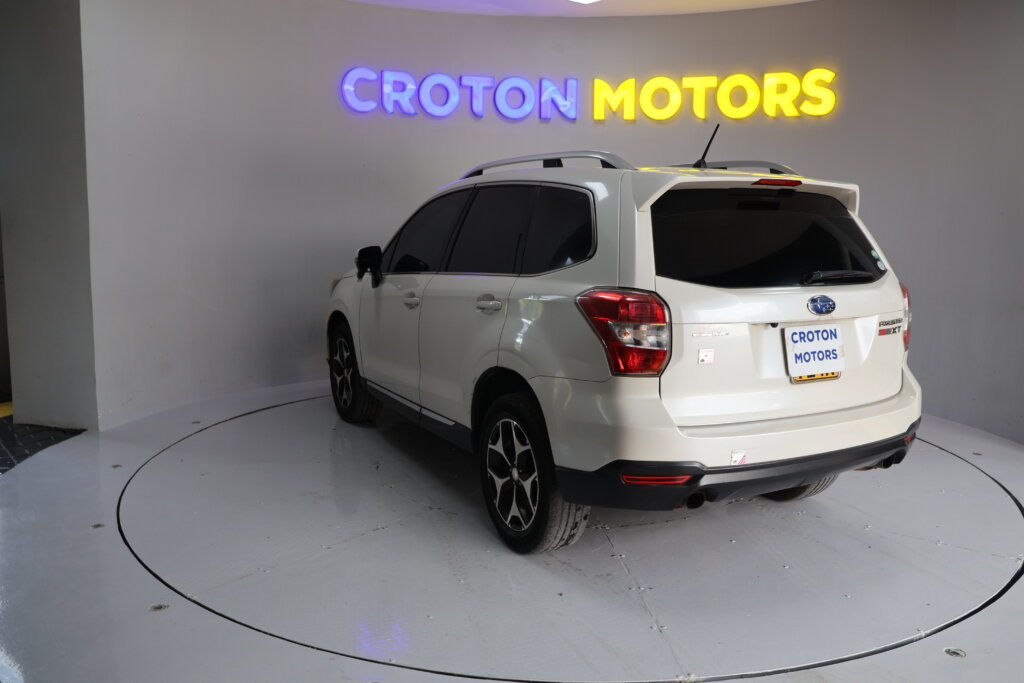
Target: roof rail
[(768, 165), (554, 160)]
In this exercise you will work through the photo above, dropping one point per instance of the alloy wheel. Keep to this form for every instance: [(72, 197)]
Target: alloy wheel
[(512, 475), (342, 366)]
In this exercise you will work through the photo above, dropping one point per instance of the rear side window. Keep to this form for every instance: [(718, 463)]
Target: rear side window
[(489, 239), (756, 238), (561, 232), (421, 244)]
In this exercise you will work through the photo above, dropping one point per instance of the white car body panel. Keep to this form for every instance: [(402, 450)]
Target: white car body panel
[(457, 340), (625, 418), (743, 331), (544, 321), (388, 332)]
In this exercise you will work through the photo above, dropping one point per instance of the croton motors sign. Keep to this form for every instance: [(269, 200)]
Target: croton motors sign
[(660, 98)]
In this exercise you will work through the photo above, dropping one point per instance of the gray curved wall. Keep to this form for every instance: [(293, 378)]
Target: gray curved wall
[(227, 184)]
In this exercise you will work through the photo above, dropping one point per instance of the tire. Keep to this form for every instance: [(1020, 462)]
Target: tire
[(804, 491), (351, 397), (517, 476)]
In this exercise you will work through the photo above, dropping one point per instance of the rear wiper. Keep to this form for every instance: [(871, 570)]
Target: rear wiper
[(819, 276)]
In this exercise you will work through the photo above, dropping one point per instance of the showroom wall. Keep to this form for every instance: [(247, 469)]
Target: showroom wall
[(228, 184), (44, 217)]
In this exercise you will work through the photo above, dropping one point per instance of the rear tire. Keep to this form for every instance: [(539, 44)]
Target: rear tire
[(352, 399), (517, 475), (804, 491)]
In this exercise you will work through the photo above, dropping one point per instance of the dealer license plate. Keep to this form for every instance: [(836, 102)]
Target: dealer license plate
[(814, 352)]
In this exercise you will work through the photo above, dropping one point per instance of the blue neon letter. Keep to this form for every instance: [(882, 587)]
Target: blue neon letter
[(477, 85), (348, 88), (566, 104), (451, 88), (389, 96), (501, 98)]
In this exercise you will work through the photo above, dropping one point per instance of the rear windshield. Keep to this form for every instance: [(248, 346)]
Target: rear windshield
[(757, 238)]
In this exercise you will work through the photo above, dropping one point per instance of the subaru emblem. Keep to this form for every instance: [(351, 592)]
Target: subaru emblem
[(821, 305)]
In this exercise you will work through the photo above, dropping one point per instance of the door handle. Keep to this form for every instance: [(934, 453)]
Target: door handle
[(489, 305), (487, 302), (411, 300)]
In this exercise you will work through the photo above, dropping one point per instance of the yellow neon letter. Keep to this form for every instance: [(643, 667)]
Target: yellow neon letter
[(815, 82), (624, 96), (781, 90), (751, 91), (700, 85), (671, 108)]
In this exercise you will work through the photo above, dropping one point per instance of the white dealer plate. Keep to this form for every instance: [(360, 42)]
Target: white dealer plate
[(814, 350)]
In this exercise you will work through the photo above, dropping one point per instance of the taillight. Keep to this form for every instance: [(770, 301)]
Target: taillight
[(906, 317), (634, 327)]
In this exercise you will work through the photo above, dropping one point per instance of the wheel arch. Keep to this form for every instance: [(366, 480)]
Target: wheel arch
[(492, 385), (336, 318)]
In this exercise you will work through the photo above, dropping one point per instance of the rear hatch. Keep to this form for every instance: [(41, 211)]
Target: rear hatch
[(781, 304)]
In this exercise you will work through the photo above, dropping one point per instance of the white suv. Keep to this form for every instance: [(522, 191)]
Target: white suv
[(642, 338)]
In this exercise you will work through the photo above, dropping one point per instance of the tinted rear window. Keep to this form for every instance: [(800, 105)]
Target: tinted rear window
[(755, 238)]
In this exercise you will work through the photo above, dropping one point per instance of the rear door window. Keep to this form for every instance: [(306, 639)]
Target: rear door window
[(421, 244), (757, 238), (492, 233), (561, 232)]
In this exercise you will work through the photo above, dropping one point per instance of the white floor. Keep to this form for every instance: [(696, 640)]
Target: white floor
[(259, 538)]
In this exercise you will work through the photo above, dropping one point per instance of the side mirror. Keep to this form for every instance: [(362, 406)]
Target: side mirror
[(369, 259)]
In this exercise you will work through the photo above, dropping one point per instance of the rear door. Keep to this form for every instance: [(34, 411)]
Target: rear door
[(781, 306), (465, 305)]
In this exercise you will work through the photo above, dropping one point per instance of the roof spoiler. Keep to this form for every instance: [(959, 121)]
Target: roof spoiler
[(648, 188)]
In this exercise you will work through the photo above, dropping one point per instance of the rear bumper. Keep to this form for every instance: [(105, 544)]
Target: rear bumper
[(605, 487), (592, 424)]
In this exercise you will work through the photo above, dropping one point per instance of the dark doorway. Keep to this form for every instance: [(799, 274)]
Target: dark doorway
[(5, 351)]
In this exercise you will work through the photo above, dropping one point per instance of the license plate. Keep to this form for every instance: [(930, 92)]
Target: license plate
[(813, 378), (814, 352)]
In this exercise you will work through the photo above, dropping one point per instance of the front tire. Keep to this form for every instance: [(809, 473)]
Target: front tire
[(804, 491), (517, 475), (351, 397)]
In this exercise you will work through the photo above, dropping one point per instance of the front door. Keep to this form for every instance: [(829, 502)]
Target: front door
[(389, 314), (389, 323)]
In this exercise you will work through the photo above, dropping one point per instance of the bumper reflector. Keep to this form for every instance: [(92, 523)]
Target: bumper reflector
[(639, 479), (909, 437)]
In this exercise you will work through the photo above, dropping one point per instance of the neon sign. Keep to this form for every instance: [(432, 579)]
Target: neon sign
[(737, 96)]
